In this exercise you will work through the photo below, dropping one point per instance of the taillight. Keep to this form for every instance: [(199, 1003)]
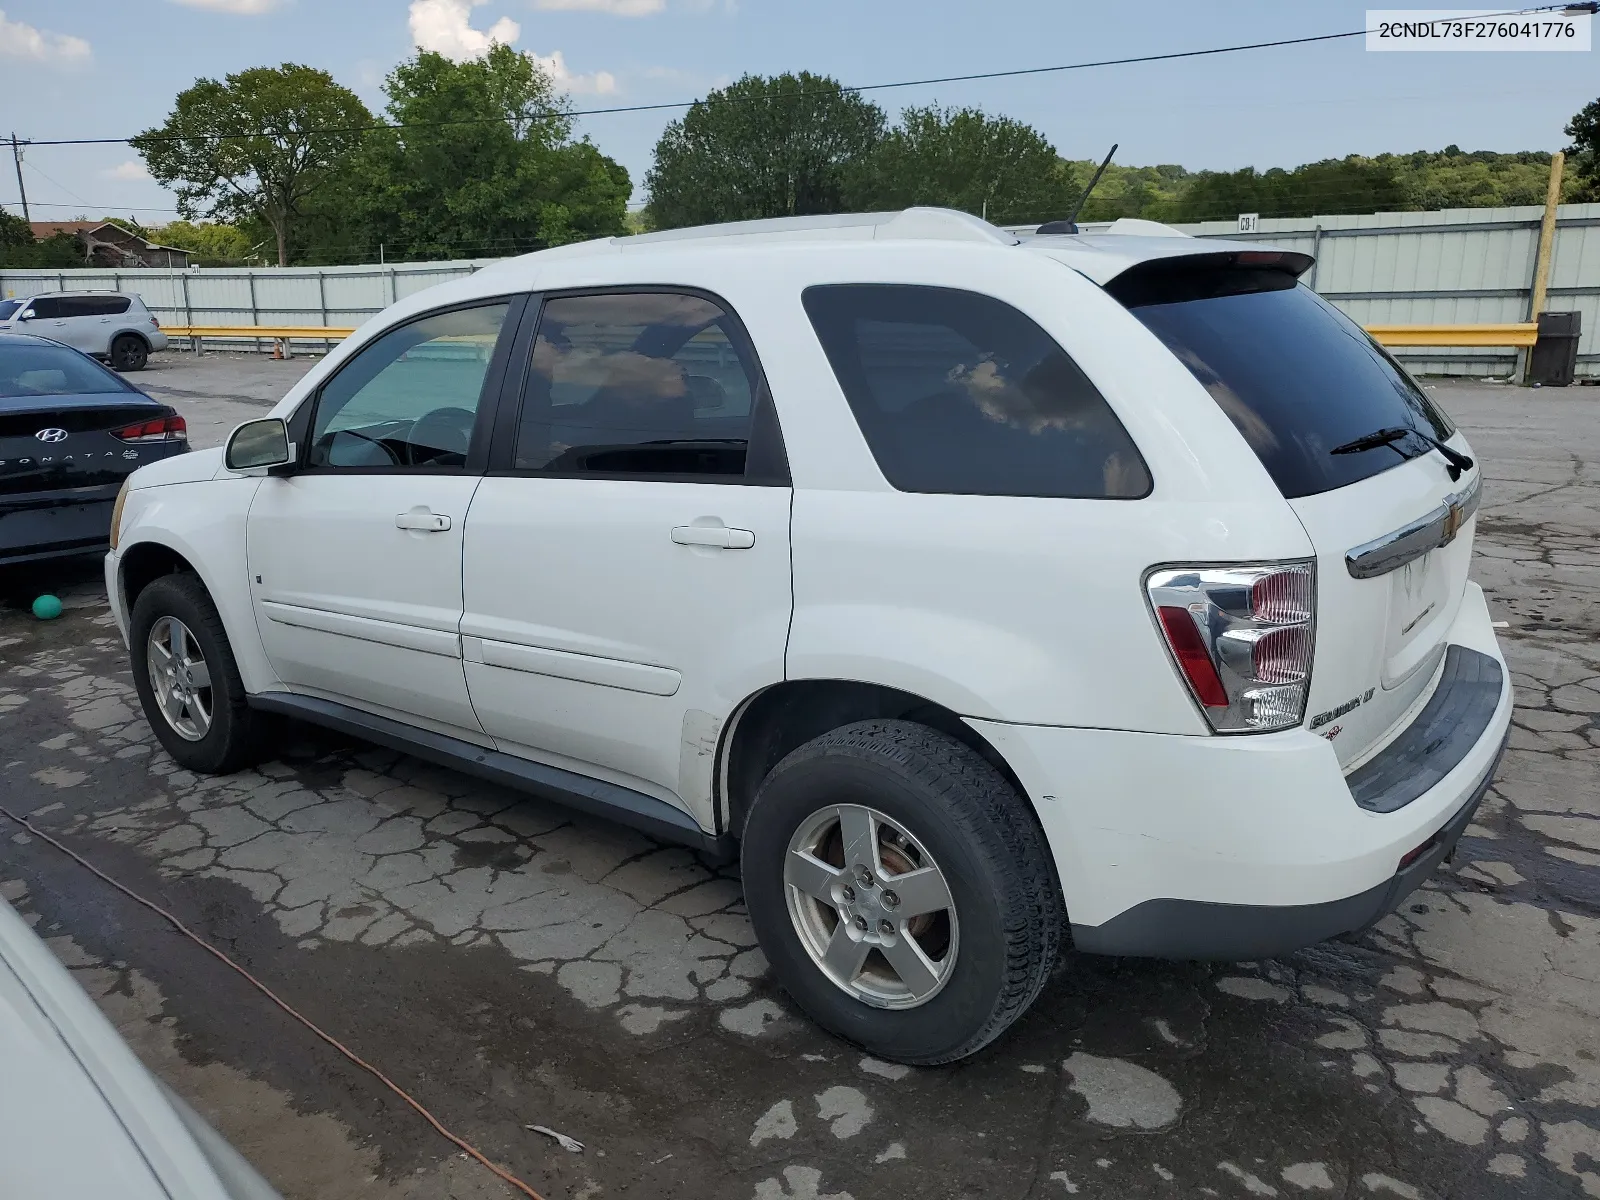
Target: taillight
[(1242, 637), (155, 322), (162, 429)]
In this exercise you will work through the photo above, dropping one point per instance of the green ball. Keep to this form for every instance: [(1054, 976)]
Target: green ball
[(47, 607)]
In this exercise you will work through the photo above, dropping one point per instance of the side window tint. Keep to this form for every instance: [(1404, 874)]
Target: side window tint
[(960, 393), (110, 306), (46, 307), (636, 383), (410, 398)]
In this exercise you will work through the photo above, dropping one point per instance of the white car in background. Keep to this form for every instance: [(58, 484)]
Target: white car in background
[(981, 593), (80, 1117), (115, 326)]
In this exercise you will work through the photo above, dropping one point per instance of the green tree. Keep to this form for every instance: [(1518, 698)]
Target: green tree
[(779, 147), (965, 159), (19, 248), (1584, 153), (483, 162), (210, 244), (258, 145)]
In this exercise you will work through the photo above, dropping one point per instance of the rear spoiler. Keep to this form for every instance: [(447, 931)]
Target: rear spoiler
[(1160, 280)]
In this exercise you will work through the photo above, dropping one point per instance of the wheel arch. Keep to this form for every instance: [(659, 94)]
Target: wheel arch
[(767, 725), (156, 552)]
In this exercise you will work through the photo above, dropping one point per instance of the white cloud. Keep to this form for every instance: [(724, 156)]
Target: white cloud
[(554, 64), (132, 169), (247, 8), (18, 40), (617, 8), (445, 26)]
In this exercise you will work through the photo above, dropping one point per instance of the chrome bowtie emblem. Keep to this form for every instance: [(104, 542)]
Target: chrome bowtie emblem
[(51, 435)]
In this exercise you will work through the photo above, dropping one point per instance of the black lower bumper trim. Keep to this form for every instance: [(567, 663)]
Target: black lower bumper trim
[(1197, 929), (1445, 731)]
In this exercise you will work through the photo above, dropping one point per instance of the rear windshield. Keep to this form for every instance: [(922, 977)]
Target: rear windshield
[(1296, 376), (960, 393), (39, 369)]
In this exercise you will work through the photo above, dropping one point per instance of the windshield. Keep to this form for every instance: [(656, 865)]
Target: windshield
[(1296, 376), (39, 369), (8, 309)]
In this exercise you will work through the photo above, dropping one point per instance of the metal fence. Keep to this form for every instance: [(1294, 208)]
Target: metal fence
[(1451, 267), (1458, 266)]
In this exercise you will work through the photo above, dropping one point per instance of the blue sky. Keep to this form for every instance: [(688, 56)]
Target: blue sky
[(106, 68)]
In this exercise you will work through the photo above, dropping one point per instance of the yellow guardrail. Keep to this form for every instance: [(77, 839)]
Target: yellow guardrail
[(328, 333), (1522, 333)]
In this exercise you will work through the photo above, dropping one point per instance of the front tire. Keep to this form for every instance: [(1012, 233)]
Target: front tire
[(129, 352), (187, 679), (901, 890)]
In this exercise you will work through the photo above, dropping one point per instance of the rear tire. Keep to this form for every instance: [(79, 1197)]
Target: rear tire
[(933, 803), (194, 698), (129, 352)]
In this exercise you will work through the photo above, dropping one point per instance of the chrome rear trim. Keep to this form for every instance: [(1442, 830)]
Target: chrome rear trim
[(1410, 542)]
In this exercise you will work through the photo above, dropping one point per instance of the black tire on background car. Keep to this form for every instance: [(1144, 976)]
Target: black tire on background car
[(927, 954), (187, 679), (129, 352)]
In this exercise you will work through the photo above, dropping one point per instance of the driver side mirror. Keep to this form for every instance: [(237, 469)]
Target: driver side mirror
[(25, 315), (258, 445)]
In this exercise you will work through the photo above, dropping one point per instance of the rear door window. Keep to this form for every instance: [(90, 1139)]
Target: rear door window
[(646, 385), (959, 393), (1297, 377)]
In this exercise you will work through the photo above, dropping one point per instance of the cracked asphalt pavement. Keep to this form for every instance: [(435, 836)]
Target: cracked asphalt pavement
[(511, 964)]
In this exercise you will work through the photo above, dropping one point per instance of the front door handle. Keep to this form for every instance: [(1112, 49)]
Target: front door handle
[(423, 520), (720, 536)]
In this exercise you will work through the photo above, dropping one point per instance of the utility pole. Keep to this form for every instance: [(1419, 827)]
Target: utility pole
[(16, 159)]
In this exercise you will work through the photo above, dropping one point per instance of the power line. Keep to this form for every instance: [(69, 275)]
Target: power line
[(865, 87)]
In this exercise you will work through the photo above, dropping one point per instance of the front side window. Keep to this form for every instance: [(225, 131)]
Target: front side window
[(960, 393), (410, 398), (46, 308), (638, 384)]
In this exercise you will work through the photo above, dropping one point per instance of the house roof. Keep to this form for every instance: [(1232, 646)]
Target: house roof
[(44, 229)]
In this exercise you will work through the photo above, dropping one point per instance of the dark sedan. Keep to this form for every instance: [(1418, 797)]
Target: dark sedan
[(70, 432)]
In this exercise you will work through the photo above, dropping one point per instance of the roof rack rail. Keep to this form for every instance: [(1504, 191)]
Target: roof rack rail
[(924, 224)]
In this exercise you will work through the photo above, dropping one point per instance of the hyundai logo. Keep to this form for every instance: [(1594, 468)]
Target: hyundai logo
[(51, 435)]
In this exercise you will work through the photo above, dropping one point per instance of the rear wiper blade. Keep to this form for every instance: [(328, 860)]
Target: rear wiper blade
[(1458, 461)]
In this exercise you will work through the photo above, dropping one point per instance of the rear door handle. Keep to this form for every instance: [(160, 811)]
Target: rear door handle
[(720, 536), (421, 519)]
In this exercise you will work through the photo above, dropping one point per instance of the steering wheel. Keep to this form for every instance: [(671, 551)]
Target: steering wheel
[(440, 433), (388, 451)]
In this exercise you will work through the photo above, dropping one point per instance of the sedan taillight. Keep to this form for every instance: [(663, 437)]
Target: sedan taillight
[(162, 429), (1242, 637)]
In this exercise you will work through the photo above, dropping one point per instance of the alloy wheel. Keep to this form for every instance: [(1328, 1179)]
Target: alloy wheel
[(180, 678), (871, 907)]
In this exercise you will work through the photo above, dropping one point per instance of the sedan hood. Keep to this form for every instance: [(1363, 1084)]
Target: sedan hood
[(194, 467)]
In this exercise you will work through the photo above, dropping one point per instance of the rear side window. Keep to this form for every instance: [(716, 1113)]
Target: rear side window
[(646, 384), (91, 306), (960, 393), (1297, 377)]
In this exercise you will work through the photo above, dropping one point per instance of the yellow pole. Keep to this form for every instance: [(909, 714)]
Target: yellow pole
[(1541, 264), (1547, 236)]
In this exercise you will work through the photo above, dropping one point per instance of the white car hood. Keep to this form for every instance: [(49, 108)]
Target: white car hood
[(80, 1117), (193, 467)]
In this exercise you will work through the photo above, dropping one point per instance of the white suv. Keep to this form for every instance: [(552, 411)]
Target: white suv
[(981, 594), (115, 326)]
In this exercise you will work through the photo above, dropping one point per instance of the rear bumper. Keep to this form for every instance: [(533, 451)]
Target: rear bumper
[(1240, 848), (46, 525)]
